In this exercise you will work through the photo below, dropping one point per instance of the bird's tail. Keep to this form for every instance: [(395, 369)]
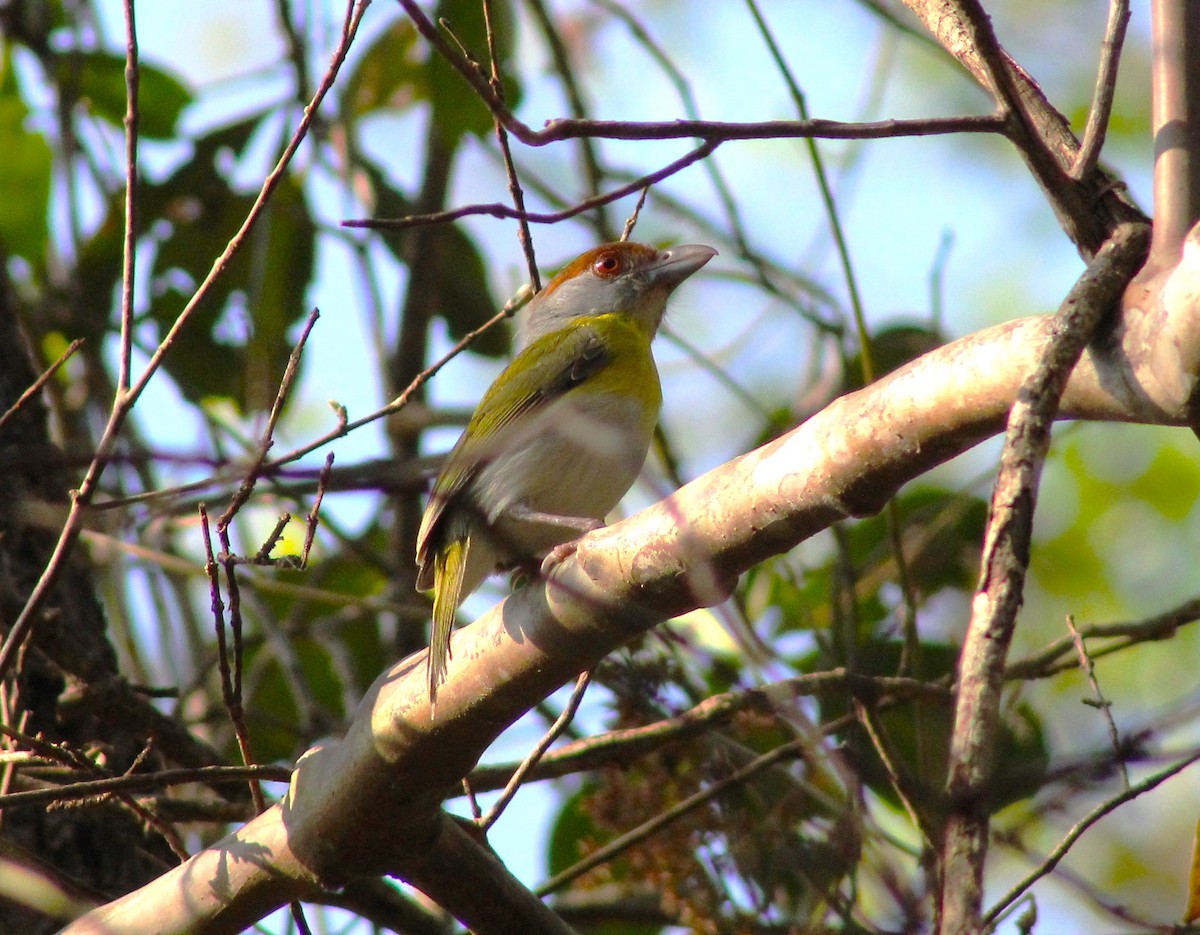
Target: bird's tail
[(450, 564)]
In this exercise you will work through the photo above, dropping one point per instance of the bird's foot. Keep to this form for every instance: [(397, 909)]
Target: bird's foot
[(557, 555)]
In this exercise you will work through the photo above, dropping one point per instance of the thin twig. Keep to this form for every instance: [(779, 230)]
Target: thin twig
[(524, 237), (76, 761), (633, 218), (537, 752), (1085, 662), (314, 515), (145, 782), (472, 799), (297, 53), (1104, 808), (1106, 87), (232, 687), (263, 555), (898, 775), (1044, 663), (253, 472), (587, 147), (41, 381), (1090, 210), (687, 98), (826, 190), (621, 746), (129, 241), (217, 606), (499, 210), (910, 656), (230, 679), (345, 426)]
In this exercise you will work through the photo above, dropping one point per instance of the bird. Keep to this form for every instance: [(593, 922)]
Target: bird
[(560, 436)]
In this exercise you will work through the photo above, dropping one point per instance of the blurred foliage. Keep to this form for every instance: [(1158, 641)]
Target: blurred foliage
[(25, 181)]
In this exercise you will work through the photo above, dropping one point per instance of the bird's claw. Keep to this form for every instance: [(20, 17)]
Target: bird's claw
[(557, 555)]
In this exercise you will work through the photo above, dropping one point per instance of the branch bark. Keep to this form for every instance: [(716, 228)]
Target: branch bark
[(1002, 576), (1175, 27)]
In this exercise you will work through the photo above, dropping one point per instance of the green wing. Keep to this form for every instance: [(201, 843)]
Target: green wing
[(547, 369)]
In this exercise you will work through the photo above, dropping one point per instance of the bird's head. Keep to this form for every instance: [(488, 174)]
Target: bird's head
[(628, 278)]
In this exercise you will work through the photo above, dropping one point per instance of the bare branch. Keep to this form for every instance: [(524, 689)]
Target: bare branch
[(1098, 700), (623, 746), (1106, 87), (498, 210), (1077, 830), (129, 241), (145, 782), (1089, 210), (510, 168), (1002, 575), (539, 750), (42, 380)]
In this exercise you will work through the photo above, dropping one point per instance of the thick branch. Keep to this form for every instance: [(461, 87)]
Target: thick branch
[(1176, 117)]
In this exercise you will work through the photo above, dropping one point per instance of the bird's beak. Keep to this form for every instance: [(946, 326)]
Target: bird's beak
[(675, 265)]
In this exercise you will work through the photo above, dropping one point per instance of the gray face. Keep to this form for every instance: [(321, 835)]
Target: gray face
[(632, 278)]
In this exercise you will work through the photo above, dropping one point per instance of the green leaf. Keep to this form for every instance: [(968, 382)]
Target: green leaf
[(355, 640), (321, 684), (918, 733), (1069, 565), (1171, 484), (891, 347), (467, 298), (457, 109), (278, 264), (387, 76), (272, 705), (943, 534), (25, 179), (802, 603), (271, 709), (99, 268), (457, 276), (100, 78), (572, 828), (236, 345)]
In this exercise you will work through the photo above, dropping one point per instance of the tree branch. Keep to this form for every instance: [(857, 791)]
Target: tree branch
[(1175, 105), (1002, 576), (1088, 210)]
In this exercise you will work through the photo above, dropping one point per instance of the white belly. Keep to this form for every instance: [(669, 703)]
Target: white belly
[(576, 459)]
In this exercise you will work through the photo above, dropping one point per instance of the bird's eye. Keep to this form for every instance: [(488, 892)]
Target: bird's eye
[(607, 264)]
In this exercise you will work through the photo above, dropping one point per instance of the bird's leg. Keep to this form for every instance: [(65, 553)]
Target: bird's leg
[(526, 515), (565, 550), (528, 570)]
